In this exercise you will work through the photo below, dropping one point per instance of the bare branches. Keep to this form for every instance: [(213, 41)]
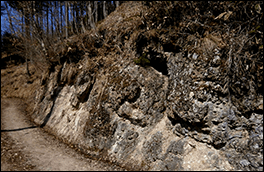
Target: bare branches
[(43, 26)]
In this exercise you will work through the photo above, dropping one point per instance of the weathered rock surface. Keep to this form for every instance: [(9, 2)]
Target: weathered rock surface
[(145, 120), (179, 115)]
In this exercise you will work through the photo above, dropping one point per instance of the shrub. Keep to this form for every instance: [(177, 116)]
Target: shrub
[(142, 60)]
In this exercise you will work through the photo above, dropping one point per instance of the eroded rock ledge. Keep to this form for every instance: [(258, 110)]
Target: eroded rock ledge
[(142, 119), (175, 112)]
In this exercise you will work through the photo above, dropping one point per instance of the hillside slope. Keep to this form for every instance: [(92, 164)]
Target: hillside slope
[(155, 88)]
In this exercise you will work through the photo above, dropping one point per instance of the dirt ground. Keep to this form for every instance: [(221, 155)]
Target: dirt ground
[(25, 146)]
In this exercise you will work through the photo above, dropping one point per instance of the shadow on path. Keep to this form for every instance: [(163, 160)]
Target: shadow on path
[(57, 91), (19, 129)]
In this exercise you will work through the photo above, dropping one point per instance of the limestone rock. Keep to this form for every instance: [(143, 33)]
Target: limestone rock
[(179, 112)]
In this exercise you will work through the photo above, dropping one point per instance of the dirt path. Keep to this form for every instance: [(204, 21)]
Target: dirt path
[(27, 147)]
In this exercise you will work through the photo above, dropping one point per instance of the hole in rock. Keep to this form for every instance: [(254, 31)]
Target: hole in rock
[(170, 47), (160, 64)]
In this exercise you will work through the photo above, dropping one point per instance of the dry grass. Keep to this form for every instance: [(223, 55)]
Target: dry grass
[(16, 83)]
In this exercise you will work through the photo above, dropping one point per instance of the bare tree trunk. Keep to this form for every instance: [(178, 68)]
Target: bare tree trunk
[(9, 18), (77, 17), (109, 7), (104, 9), (52, 18), (58, 15), (74, 17), (47, 17), (117, 3), (41, 25), (71, 13), (37, 29), (36, 17), (81, 18), (33, 27), (61, 16), (23, 23), (66, 19), (26, 40), (57, 21), (90, 16), (55, 15), (96, 11)]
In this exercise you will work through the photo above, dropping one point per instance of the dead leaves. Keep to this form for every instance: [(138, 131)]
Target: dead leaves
[(225, 14)]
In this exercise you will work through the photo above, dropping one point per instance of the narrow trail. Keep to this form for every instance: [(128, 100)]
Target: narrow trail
[(25, 146)]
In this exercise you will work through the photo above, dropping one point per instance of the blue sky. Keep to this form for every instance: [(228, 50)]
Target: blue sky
[(4, 23), (4, 19)]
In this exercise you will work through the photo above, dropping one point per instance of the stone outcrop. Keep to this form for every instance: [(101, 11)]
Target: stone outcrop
[(178, 112), (143, 119)]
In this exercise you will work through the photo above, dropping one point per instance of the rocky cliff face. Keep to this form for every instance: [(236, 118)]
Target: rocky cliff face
[(177, 110)]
